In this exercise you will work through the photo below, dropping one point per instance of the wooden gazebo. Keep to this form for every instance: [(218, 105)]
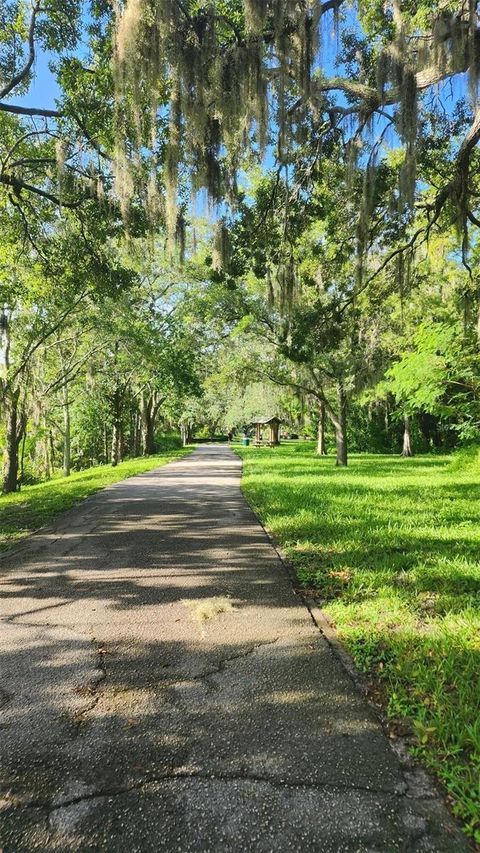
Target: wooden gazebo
[(273, 425)]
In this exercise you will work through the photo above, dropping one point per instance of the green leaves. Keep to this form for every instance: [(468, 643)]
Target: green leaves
[(439, 374), (419, 378)]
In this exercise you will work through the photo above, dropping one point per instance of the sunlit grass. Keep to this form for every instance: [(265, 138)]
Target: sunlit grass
[(34, 506), (391, 548)]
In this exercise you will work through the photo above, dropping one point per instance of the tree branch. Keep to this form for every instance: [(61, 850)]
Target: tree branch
[(93, 142), (29, 351), (424, 79), (18, 185), (16, 109), (18, 78), (71, 372), (33, 112)]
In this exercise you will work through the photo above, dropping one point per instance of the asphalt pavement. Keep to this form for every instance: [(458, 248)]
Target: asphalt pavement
[(162, 688)]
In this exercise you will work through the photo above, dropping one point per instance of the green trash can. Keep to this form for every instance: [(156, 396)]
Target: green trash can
[(245, 441)]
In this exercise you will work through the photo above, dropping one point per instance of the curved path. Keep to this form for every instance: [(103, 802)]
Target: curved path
[(163, 689)]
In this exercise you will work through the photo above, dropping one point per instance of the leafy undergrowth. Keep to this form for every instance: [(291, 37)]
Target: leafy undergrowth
[(34, 506), (391, 548)]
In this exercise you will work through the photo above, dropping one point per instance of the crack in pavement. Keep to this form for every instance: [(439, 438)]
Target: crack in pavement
[(166, 683), (180, 774), (79, 718), (222, 665)]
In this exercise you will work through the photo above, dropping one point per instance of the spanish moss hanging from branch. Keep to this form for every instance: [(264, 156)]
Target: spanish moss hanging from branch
[(211, 76)]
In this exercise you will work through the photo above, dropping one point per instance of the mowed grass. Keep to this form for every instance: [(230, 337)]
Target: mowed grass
[(391, 548), (25, 511)]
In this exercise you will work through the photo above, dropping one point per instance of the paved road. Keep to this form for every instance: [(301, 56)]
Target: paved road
[(163, 689)]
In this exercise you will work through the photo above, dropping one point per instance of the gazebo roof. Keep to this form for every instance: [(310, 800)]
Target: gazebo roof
[(265, 421)]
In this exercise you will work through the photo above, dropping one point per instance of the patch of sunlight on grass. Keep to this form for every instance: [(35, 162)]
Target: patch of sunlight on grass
[(391, 547)]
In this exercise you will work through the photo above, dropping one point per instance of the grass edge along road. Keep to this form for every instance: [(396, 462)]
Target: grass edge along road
[(25, 511), (391, 549)]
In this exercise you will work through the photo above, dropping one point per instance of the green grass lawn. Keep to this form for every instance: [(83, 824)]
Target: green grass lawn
[(27, 510), (391, 547)]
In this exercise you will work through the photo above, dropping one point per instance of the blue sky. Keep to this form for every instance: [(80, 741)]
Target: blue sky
[(43, 89)]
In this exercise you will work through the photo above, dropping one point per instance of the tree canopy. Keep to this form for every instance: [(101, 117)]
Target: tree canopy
[(281, 193)]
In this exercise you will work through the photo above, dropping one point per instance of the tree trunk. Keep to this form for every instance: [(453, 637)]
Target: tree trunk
[(51, 445), (115, 451), (116, 430), (213, 427), (105, 443), (148, 436), (341, 427), (22, 458), (66, 416), (137, 434), (321, 450), (149, 409), (117, 437), (186, 431), (47, 461), (148, 428), (407, 444), (12, 442), (66, 432)]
